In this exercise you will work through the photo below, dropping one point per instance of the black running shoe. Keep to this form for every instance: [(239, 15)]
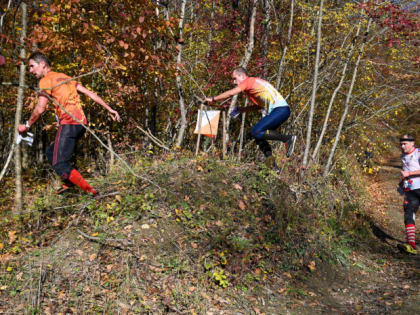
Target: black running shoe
[(290, 145)]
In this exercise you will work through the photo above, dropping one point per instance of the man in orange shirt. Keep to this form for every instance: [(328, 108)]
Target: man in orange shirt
[(65, 92), (264, 97)]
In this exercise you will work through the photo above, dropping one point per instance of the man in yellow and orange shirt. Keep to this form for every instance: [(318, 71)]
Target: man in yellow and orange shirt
[(263, 97), (64, 91)]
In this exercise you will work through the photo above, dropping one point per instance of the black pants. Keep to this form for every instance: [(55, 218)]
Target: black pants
[(411, 205), (60, 152)]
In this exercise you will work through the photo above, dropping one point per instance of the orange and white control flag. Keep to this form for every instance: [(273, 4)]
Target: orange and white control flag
[(209, 123)]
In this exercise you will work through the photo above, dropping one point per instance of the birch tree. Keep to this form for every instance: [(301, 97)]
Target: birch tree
[(334, 94), (183, 111), (289, 37), (314, 88), (346, 104), (18, 116), (247, 57)]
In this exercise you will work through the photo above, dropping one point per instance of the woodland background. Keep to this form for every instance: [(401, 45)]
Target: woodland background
[(349, 70), (216, 232)]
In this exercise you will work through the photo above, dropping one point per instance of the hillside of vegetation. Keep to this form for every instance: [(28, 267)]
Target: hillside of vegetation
[(208, 236)]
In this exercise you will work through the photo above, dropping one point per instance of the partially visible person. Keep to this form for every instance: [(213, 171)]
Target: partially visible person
[(410, 176), (263, 96), (64, 91)]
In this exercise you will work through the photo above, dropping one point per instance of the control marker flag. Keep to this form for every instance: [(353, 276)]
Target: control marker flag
[(209, 123)]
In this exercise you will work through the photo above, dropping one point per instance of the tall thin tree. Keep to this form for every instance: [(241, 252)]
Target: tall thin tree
[(314, 86), (18, 116), (346, 104), (179, 86)]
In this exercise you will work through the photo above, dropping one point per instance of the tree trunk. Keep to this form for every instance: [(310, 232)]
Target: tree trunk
[(327, 116), (9, 3), (112, 158), (314, 87), (267, 30), (241, 135), (289, 36), (183, 111), (244, 63), (18, 117), (346, 104)]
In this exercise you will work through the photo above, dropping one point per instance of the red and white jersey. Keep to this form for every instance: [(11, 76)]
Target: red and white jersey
[(410, 163)]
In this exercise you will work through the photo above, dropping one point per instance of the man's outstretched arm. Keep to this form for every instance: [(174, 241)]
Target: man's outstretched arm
[(114, 114), (224, 95), (36, 113)]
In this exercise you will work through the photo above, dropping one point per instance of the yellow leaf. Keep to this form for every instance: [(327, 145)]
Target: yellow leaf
[(311, 266), (118, 197), (109, 219)]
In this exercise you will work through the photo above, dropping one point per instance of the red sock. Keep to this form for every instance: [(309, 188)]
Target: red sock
[(76, 178), (411, 234)]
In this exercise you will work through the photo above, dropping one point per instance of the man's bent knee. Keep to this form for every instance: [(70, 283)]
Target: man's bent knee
[(257, 133)]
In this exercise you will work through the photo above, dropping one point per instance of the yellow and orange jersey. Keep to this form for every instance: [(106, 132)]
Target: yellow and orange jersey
[(262, 93)]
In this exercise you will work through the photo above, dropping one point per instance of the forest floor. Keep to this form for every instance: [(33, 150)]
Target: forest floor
[(206, 237)]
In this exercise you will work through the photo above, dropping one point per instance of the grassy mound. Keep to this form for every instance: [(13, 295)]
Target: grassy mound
[(199, 236)]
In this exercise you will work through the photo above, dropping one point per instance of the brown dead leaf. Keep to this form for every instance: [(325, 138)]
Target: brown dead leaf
[(194, 245), (5, 257), (79, 252), (238, 187), (19, 276), (242, 205), (12, 237), (282, 290), (92, 257)]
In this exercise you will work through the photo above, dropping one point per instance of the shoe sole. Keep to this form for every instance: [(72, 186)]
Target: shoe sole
[(291, 147)]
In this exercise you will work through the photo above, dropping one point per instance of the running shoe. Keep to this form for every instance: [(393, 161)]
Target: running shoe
[(408, 249), (290, 145)]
